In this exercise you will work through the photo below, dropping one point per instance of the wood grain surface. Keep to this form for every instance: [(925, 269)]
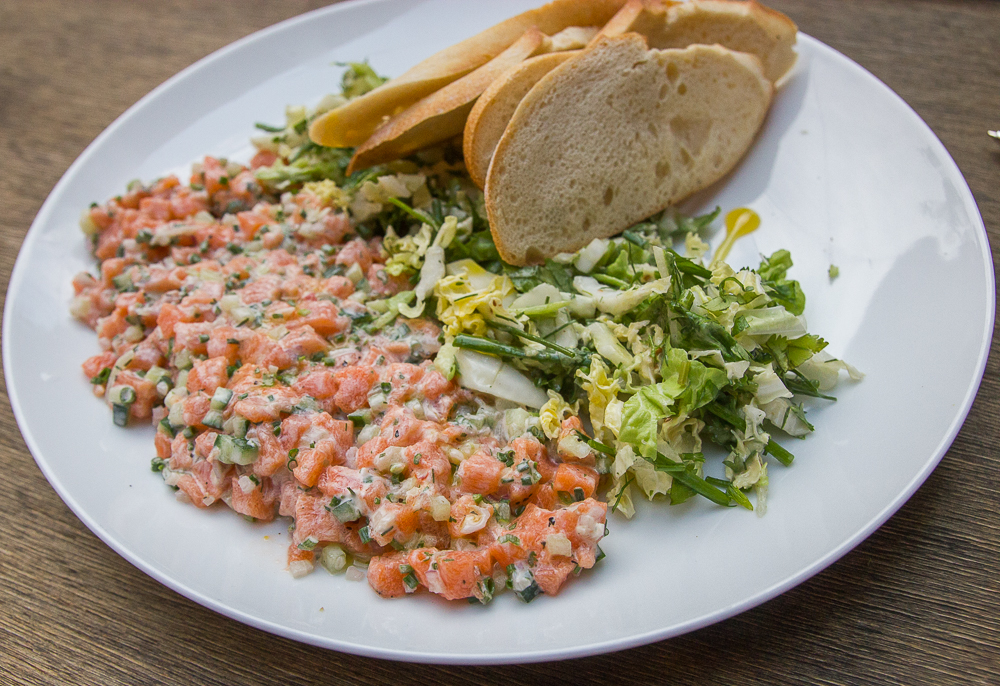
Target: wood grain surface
[(917, 603)]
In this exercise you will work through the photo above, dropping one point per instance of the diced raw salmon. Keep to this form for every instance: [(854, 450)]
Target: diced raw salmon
[(392, 521), (262, 288), (93, 366), (323, 316), (480, 474), (192, 337), (208, 375), (313, 520), (353, 385), (263, 158), (453, 574), (385, 576), (339, 287), (569, 477), (258, 502), (224, 342), (265, 404)]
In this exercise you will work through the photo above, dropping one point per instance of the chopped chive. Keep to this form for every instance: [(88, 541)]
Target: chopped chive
[(514, 331), (416, 214), (102, 377), (530, 593), (692, 481), (491, 347), (736, 494), (779, 453), (621, 492), (596, 445)]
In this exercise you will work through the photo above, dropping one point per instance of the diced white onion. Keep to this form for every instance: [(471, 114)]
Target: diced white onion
[(558, 544), (440, 508), (300, 568)]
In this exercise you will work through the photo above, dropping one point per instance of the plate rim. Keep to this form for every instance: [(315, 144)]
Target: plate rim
[(511, 657)]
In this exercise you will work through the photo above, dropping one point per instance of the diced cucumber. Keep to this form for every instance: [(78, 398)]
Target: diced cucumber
[(333, 558), (361, 417), (121, 395), (234, 450), (236, 425), (213, 418), (221, 398), (167, 429), (176, 415), (344, 509), (182, 360), (119, 413), (530, 593)]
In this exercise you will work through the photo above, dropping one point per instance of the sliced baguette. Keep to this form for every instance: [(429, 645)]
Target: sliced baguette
[(442, 114), (742, 26), (614, 135), (353, 123), (735, 24), (490, 115)]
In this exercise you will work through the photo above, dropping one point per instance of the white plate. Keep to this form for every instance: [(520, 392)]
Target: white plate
[(844, 172)]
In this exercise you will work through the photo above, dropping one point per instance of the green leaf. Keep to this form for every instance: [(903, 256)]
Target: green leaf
[(477, 246), (524, 278), (703, 385), (679, 493), (783, 291), (670, 224), (775, 267), (789, 294), (643, 411), (802, 348), (558, 275), (359, 79), (620, 268), (701, 333)]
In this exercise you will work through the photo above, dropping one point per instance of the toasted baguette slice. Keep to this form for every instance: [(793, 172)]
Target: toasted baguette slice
[(353, 123), (494, 108), (735, 24), (442, 114), (614, 135), (742, 26)]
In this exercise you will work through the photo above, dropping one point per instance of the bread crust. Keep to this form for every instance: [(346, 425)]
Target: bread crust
[(352, 124)]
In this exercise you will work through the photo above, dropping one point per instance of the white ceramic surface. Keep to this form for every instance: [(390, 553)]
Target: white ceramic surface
[(844, 172)]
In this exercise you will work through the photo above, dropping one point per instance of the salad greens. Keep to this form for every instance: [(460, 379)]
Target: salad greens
[(657, 347)]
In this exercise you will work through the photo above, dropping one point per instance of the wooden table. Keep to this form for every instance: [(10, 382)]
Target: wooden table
[(918, 602)]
